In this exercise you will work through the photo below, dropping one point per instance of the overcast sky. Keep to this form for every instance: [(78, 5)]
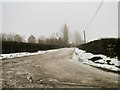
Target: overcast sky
[(45, 18)]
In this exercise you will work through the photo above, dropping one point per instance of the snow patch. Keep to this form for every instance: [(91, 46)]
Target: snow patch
[(22, 54), (91, 59)]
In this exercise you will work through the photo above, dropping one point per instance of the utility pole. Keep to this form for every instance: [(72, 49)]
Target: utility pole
[(92, 20), (84, 37)]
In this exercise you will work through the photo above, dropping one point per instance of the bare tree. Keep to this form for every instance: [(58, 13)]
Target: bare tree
[(59, 36), (11, 37), (7, 37), (18, 38), (31, 39), (41, 39), (52, 39), (3, 37), (47, 41), (77, 40), (65, 35)]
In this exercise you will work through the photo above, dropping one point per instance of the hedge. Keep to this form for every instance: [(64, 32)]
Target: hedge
[(15, 47), (107, 46)]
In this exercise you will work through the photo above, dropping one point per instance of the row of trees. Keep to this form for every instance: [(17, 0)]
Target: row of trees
[(11, 37), (63, 38)]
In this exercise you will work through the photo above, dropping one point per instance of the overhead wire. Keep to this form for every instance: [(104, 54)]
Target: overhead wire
[(92, 20), (94, 15)]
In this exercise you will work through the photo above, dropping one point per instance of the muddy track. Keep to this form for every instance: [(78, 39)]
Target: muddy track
[(54, 69)]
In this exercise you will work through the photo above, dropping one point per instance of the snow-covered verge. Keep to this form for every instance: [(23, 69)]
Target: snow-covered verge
[(98, 60), (22, 54)]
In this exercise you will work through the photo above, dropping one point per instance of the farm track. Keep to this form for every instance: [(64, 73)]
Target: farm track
[(54, 70)]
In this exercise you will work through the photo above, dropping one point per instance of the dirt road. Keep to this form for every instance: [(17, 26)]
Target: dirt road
[(54, 69)]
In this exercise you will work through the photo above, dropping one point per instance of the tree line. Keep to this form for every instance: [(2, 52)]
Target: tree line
[(63, 38)]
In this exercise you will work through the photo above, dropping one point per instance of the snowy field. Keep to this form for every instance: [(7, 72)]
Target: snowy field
[(98, 60)]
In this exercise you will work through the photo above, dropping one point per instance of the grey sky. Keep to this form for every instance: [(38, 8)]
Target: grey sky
[(45, 18)]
